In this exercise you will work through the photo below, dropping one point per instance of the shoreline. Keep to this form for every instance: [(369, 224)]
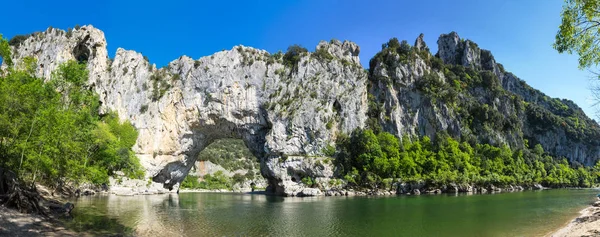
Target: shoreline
[(15, 223), (587, 223)]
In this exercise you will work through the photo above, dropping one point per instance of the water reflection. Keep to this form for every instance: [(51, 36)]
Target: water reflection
[(228, 214)]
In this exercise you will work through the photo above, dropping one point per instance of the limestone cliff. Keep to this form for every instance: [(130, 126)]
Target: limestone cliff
[(287, 114)]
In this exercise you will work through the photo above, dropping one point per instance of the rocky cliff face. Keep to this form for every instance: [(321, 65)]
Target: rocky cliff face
[(560, 126), (286, 114), (243, 93)]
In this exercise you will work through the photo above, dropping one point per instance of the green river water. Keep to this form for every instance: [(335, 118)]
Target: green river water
[(529, 213)]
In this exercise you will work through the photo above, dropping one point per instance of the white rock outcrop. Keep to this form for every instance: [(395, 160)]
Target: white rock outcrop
[(286, 115), (240, 93)]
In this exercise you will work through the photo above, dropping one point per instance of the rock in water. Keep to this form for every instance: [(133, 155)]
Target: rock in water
[(69, 207)]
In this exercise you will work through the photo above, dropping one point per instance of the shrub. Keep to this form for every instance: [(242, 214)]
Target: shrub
[(292, 56), (238, 178), (143, 109), (322, 54), (392, 43), (308, 181), (404, 48), (17, 40)]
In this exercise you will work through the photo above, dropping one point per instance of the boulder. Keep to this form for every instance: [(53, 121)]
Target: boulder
[(310, 192), (465, 188), (68, 207), (452, 188), (434, 191), (88, 192)]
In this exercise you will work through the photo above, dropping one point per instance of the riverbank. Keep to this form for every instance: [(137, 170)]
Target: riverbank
[(14, 223), (587, 224)]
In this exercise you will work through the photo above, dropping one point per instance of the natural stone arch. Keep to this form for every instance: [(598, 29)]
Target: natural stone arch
[(285, 119), (252, 133)]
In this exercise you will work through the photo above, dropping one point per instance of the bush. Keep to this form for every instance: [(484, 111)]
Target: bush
[(329, 150), (308, 181), (322, 54), (143, 109), (292, 56), (17, 40), (238, 178), (216, 181), (190, 182), (404, 48)]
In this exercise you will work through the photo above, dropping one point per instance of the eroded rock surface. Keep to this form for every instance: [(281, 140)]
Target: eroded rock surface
[(285, 115)]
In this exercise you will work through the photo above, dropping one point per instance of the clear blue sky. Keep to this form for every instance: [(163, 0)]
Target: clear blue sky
[(519, 33)]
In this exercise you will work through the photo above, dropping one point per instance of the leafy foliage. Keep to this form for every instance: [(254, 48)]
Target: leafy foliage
[(52, 132), (231, 154), (17, 40), (160, 85), (578, 32), (322, 53), (211, 182), (292, 56), (5, 52), (366, 159)]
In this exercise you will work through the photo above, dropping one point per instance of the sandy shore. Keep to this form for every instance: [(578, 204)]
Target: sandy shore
[(587, 224), (14, 223)]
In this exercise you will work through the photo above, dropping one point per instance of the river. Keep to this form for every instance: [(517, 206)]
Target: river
[(529, 213)]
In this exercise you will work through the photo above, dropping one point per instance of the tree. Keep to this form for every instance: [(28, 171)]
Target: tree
[(293, 55), (5, 51), (579, 33), (52, 132)]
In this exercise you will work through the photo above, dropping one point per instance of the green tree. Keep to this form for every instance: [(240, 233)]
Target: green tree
[(578, 32), (52, 132), (5, 50)]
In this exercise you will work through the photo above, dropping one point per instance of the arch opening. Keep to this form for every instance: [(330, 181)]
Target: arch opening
[(252, 135), (225, 164), (81, 52)]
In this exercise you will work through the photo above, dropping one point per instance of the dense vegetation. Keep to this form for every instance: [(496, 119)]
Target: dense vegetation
[(53, 133), (218, 180), (373, 160), (476, 99), (231, 154)]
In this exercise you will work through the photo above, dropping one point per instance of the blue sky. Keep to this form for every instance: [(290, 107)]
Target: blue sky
[(519, 33)]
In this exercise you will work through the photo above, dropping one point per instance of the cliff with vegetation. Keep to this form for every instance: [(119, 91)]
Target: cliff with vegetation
[(319, 121)]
